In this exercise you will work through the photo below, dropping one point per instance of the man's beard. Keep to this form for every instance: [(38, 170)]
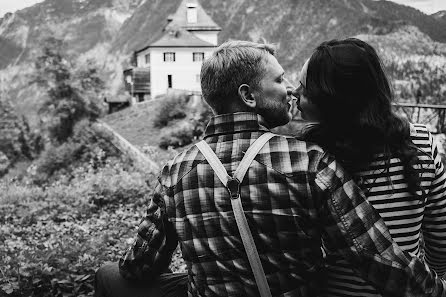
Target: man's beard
[(275, 113)]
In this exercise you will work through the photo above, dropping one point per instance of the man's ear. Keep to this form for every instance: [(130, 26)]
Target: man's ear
[(244, 92)]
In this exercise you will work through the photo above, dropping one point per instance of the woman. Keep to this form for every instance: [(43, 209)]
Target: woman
[(344, 89)]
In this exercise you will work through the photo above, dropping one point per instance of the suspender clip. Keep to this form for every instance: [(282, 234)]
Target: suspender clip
[(233, 186)]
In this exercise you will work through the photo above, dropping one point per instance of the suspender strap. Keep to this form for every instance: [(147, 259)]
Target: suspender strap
[(233, 186)]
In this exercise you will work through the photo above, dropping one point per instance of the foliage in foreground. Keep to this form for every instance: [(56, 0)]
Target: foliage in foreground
[(55, 238)]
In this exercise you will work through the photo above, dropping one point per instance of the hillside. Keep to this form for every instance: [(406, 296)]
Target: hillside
[(128, 25), (83, 25), (407, 41), (108, 31), (297, 26), (441, 15), (139, 130)]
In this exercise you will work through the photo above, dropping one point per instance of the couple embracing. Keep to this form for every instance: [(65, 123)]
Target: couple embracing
[(339, 210)]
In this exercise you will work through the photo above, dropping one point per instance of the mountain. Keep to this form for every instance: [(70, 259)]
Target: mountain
[(417, 67), (83, 24), (108, 31), (405, 43), (297, 26), (440, 15)]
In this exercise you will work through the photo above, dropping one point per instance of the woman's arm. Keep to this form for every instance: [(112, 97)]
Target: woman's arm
[(434, 222)]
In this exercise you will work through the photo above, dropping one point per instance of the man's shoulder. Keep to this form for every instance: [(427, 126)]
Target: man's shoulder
[(180, 165), (292, 145), (289, 154), (285, 154)]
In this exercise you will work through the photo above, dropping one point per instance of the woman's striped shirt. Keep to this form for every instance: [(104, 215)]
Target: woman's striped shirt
[(409, 220)]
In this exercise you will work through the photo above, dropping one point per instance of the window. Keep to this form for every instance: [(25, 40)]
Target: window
[(169, 81), (197, 57), (147, 57), (169, 57)]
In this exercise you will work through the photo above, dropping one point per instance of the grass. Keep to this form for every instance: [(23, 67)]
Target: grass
[(136, 123)]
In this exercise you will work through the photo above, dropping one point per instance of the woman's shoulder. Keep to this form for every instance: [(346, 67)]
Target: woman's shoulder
[(419, 130), (422, 138)]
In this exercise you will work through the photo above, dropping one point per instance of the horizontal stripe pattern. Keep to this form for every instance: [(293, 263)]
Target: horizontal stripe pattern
[(410, 221)]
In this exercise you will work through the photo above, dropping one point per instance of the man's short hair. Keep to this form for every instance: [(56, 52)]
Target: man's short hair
[(232, 64)]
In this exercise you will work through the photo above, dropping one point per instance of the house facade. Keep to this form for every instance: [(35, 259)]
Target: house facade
[(175, 59)]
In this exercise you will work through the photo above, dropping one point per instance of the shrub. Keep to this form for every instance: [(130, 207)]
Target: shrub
[(178, 137), (54, 238), (201, 116), (13, 192), (174, 106), (184, 132), (83, 146)]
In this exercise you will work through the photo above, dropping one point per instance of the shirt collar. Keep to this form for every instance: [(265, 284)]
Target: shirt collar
[(235, 122)]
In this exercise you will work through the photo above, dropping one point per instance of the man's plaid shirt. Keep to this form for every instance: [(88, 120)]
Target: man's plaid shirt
[(294, 195)]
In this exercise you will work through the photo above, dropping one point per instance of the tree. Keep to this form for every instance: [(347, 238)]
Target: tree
[(66, 103)]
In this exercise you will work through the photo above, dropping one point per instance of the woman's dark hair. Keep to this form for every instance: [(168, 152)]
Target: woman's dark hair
[(347, 83)]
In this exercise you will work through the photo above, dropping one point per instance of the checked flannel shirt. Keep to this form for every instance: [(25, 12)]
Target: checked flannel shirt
[(295, 197)]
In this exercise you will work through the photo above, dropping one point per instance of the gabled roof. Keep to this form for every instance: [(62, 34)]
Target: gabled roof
[(179, 18), (180, 38), (176, 32)]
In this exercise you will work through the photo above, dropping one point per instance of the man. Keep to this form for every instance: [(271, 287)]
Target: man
[(295, 197)]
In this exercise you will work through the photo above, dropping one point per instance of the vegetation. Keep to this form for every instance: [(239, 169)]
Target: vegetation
[(61, 217), (173, 107), (183, 122), (55, 236), (417, 68), (67, 102)]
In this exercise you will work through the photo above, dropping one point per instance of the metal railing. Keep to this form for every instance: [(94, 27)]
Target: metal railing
[(431, 115)]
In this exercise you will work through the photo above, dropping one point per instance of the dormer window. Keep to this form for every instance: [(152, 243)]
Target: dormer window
[(192, 13)]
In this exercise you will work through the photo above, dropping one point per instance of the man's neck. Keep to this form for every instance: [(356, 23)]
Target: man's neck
[(260, 118)]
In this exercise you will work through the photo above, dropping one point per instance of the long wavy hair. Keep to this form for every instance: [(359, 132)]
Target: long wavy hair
[(347, 83)]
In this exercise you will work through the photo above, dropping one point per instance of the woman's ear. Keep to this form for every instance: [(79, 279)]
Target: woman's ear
[(244, 92)]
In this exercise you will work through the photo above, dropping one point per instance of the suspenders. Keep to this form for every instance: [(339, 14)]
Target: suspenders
[(233, 186)]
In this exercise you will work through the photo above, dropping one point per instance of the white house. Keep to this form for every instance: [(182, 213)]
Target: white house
[(175, 58)]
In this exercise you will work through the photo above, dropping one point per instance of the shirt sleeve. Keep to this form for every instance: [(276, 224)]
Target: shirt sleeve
[(155, 241), (434, 222), (355, 229)]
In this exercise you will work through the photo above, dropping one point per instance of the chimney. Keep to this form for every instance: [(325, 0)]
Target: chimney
[(191, 13)]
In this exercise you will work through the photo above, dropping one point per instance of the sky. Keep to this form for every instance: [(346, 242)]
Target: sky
[(426, 6)]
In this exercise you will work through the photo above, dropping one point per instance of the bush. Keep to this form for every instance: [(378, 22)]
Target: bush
[(83, 146), (174, 106), (184, 132), (201, 116), (54, 238), (12, 193), (178, 137)]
